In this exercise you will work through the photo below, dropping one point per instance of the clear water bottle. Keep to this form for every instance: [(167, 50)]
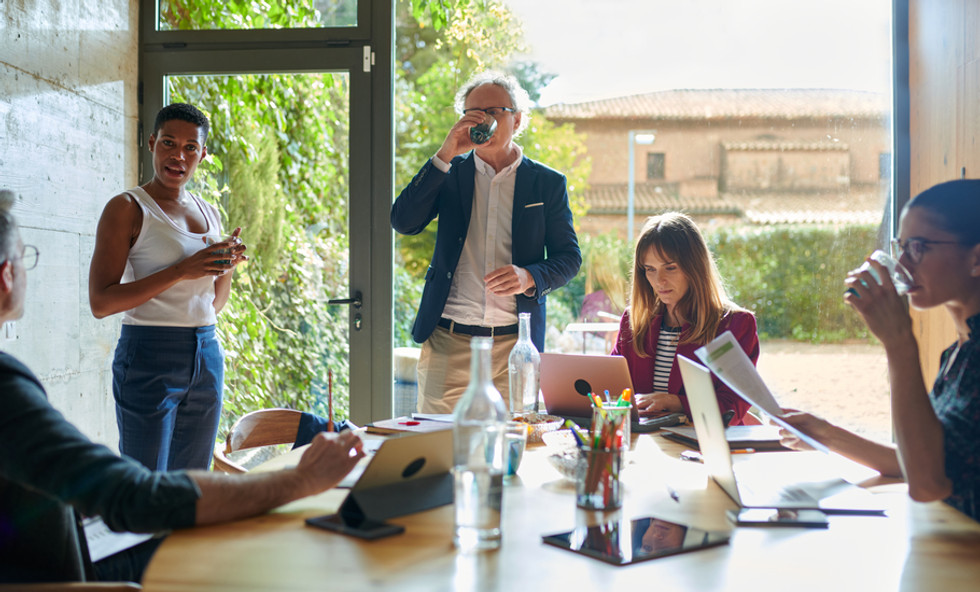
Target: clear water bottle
[(478, 441), (524, 368)]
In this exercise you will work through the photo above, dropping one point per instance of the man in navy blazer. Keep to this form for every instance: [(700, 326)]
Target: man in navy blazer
[(505, 240)]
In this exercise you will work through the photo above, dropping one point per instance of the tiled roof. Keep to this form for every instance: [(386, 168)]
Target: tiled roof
[(650, 198), (854, 207), (728, 104), (768, 146)]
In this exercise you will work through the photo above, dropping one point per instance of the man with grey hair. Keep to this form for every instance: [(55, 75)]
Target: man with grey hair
[(505, 239), (49, 470)]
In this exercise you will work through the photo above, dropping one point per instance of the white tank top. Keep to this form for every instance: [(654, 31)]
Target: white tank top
[(160, 244)]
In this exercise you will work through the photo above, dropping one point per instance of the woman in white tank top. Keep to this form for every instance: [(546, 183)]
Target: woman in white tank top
[(152, 263)]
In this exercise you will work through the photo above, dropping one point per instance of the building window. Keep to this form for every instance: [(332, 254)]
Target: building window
[(655, 166)]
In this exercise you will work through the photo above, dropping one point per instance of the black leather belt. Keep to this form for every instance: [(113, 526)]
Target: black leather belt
[(476, 330)]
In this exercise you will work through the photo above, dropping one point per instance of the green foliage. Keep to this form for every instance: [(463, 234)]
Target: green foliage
[(434, 58), (278, 167), (256, 203), (792, 277)]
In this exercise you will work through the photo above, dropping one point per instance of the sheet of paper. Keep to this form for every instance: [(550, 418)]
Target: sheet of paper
[(729, 362), (103, 542), (726, 358)]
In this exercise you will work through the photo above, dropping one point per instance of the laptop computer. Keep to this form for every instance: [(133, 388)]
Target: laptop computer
[(567, 380), (761, 489)]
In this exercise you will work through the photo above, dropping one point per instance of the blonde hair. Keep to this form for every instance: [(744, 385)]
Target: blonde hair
[(677, 238)]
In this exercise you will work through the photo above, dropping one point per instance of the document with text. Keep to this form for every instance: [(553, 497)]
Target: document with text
[(729, 362)]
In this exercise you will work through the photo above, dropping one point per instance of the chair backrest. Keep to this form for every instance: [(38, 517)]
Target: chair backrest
[(264, 427)]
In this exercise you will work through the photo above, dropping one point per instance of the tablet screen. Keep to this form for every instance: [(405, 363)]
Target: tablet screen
[(625, 542)]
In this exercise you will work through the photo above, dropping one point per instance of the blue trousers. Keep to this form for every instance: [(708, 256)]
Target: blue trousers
[(168, 383)]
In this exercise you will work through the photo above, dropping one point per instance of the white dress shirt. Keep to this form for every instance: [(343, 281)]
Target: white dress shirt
[(487, 247)]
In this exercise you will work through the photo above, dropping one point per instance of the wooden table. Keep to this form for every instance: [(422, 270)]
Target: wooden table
[(916, 547)]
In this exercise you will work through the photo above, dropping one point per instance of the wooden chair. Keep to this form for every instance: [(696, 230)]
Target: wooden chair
[(265, 427)]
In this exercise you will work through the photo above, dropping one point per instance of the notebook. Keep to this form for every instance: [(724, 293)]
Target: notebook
[(756, 437), (761, 489), (567, 380)]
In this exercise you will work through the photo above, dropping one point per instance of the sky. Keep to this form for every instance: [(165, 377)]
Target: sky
[(609, 48)]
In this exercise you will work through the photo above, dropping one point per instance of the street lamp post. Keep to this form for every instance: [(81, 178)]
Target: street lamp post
[(645, 137)]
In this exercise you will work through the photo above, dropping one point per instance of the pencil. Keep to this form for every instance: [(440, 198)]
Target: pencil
[(329, 400)]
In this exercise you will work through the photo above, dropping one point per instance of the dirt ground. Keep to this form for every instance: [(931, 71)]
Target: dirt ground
[(846, 384)]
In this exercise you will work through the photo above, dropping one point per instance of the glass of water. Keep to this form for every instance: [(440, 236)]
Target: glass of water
[(515, 440), (900, 276)]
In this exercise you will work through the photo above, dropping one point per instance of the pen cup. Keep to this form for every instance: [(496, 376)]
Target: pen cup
[(611, 428), (597, 483), (515, 440)]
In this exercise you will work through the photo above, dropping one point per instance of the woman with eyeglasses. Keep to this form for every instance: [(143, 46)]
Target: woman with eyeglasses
[(937, 437)]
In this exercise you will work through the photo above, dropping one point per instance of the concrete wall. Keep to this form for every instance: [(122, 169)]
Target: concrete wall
[(68, 112)]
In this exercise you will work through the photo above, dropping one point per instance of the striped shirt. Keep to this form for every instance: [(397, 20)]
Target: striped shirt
[(664, 360)]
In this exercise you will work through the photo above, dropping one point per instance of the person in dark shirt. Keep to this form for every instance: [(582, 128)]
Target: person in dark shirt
[(936, 433), (49, 470)]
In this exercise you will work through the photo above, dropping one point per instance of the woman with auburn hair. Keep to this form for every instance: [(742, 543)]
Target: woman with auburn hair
[(677, 304)]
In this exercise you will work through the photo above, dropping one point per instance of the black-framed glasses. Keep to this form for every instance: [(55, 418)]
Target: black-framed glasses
[(916, 247), (29, 257), (491, 111)]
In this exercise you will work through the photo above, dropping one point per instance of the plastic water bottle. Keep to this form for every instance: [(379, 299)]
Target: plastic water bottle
[(524, 366), (478, 442)]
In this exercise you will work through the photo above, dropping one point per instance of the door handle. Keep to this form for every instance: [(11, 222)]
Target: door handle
[(356, 300)]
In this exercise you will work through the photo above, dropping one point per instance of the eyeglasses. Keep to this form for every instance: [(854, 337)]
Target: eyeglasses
[(916, 247), (29, 257), (491, 111)]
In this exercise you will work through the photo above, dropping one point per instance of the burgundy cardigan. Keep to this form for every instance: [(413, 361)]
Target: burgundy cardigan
[(740, 323)]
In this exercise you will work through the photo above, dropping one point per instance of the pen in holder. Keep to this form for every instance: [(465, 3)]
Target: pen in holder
[(598, 485)]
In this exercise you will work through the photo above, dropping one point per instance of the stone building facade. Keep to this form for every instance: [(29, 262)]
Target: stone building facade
[(736, 156)]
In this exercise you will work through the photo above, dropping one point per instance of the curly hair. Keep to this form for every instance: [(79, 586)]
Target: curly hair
[(182, 112)]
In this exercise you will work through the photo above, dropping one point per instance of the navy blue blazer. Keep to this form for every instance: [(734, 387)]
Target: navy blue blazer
[(544, 240)]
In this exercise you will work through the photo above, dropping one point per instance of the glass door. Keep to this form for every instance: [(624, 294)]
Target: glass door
[(298, 153)]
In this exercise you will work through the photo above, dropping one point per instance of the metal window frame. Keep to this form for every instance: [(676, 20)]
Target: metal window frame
[(366, 52)]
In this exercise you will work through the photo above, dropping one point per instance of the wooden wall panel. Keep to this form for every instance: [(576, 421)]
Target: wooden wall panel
[(944, 86)]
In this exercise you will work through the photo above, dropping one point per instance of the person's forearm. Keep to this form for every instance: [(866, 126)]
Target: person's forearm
[(227, 497), (222, 290), (918, 432), (121, 297), (879, 457)]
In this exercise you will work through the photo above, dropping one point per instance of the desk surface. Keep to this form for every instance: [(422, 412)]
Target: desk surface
[(916, 547)]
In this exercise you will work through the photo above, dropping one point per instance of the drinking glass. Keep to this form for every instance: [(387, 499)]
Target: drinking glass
[(900, 276)]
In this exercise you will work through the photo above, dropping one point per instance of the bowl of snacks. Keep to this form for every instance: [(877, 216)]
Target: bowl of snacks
[(565, 461), (539, 424), (559, 440)]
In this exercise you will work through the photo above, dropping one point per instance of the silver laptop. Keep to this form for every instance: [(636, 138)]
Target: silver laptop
[(567, 380), (760, 490)]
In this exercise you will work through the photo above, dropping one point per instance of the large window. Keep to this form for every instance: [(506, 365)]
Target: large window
[(774, 148)]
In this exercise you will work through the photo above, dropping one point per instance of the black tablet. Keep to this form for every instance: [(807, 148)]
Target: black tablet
[(629, 541)]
